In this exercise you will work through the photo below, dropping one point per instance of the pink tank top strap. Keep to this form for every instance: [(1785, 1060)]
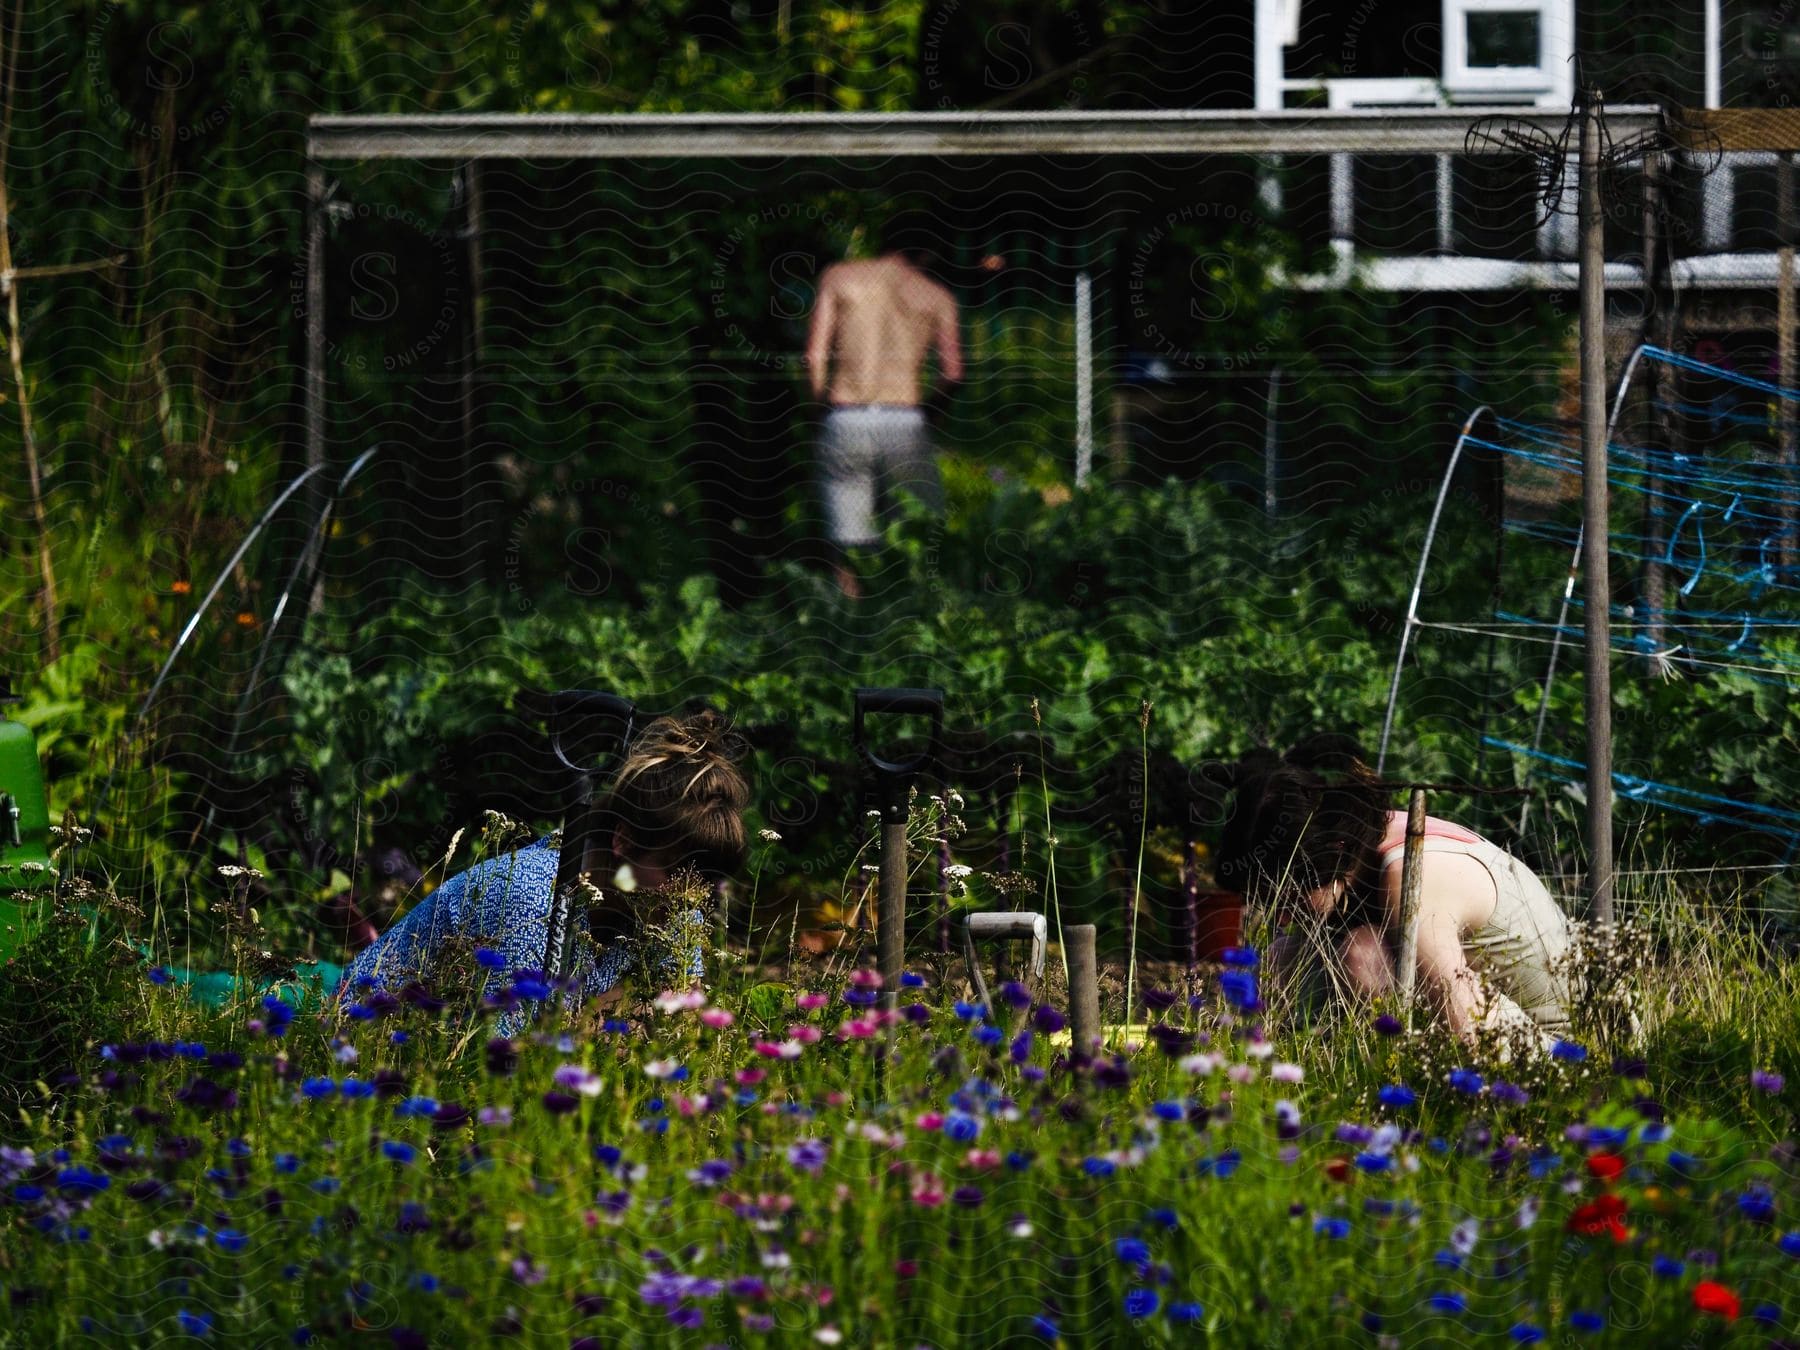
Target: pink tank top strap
[(1395, 835)]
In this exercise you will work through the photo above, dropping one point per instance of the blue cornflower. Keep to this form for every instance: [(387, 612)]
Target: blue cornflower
[(1176, 1111), (158, 975), (1332, 1228), (231, 1239), (989, 1034), (1397, 1096), (1769, 1314), (1445, 1259), (417, 1107), (316, 1088), (1790, 1244), (1020, 1049), (1239, 989), (1227, 1163), (1466, 1080), (1448, 1302), (1163, 1218), (962, 1127), (82, 1181), (1018, 1161), (966, 1010), (1045, 1327), (354, 1089), (1133, 1251), (327, 1185), (424, 1283), (1140, 1302), (192, 1323), (1526, 1334), (1185, 1312), (1098, 1167), (1756, 1205), (1583, 1320), (489, 959), (1608, 1137), (1242, 957), (1374, 1162), (398, 1150), (398, 1037), (858, 997), (1667, 1268), (1654, 1132), (1573, 1051), (911, 980), (1683, 1162)]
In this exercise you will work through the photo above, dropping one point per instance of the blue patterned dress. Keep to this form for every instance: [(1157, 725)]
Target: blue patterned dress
[(505, 904)]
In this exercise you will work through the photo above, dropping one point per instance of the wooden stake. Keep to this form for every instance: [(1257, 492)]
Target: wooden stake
[(1412, 872), (1084, 989)]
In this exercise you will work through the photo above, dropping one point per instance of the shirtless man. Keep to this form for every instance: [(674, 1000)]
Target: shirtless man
[(874, 322)]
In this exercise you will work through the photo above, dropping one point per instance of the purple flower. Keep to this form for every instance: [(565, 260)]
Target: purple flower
[(808, 1155), (1767, 1080), (1047, 1019), (1388, 1025), (1016, 994), (1397, 1096)]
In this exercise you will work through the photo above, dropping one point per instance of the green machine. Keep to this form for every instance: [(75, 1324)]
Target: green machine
[(24, 826)]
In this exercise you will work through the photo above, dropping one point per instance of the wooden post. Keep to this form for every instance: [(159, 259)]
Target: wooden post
[(891, 923), (1655, 443), (1412, 872), (1595, 503), (1784, 344), (312, 395), (1084, 990)]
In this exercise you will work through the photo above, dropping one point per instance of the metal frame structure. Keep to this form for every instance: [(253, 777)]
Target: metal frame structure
[(465, 140)]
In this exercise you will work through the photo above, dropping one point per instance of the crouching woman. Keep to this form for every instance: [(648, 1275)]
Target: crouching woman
[(1310, 832), (676, 803)]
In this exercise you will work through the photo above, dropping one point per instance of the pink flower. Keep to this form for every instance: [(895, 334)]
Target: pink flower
[(927, 1190), (751, 1077), (806, 1035), (983, 1159), (1286, 1073), (865, 978), (858, 1028), (717, 1018), (809, 1002), (930, 1120)]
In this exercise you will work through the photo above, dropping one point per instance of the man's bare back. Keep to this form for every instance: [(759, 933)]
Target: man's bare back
[(873, 323)]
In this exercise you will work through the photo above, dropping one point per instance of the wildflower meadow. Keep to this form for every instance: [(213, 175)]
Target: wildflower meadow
[(749, 1161)]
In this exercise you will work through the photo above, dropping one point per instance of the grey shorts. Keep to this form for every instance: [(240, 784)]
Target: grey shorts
[(864, 449)]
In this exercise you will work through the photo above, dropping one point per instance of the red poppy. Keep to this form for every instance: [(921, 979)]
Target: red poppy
[(1338, 1169), (1710, 1297), (1606, 1214), (1605, 1166)]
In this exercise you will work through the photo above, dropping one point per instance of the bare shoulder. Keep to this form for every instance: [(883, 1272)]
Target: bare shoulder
[(1453, 883)]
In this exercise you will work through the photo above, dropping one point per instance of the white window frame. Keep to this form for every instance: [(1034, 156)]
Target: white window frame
[(1548, 83)]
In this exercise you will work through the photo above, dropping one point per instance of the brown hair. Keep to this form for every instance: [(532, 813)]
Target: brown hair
[(680, 793), (1303, 820)]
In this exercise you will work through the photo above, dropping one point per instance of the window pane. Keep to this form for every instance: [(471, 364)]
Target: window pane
[(1503, 38)]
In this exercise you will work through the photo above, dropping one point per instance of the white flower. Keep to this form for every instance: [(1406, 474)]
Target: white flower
[(776, 1259), (1020, 1228), (233, 871), (874, 815), (625, 879), (1202, 1064), (1259, 1049), (661, 1068), (345, 1053), (1385, 1140), (1528, 1211), (828, 1335), (1286, 1073), (768, 836), (792, 1049), (1464, 1235), (231, 466), (956, 799), (957, 871), (1241, 1073), (685, 1000)]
